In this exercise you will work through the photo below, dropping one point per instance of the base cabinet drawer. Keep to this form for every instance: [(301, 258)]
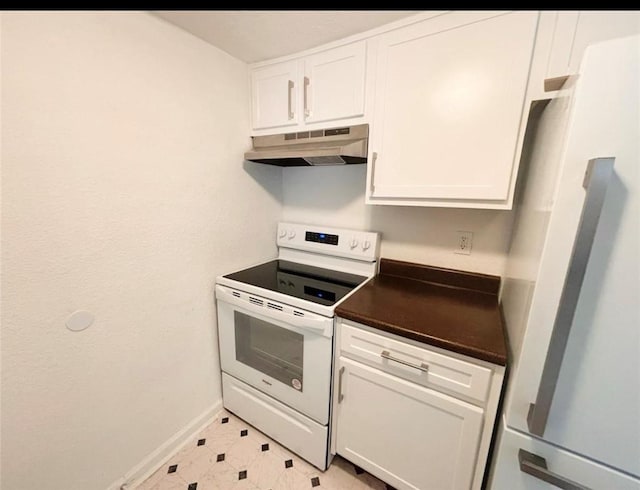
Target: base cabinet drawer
[(405, 434), (442, 373)]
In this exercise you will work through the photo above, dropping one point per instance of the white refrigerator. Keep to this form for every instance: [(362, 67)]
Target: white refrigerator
[(571, 292)]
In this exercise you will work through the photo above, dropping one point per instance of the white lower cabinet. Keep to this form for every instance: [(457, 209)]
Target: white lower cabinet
[(414, 415), (405, 434)]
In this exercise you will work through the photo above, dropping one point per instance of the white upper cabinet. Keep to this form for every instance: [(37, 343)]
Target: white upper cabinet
[(564, 31), (274, 90), (334, 83), (312, 92), (448, 107), (573, 31)]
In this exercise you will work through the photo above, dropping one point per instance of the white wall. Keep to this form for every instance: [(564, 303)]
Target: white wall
[(335, 196), (124, 193)]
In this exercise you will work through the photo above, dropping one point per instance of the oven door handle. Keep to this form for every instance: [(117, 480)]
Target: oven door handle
[(317, 324)]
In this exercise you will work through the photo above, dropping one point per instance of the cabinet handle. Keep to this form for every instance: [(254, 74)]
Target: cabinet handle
[(422, 367), (595, 182), (307, 109), (536, 466), (290, 99), (374, 158), (340, 395)]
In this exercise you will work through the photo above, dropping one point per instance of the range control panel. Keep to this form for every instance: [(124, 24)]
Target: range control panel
[(328, 238), (340, 242)]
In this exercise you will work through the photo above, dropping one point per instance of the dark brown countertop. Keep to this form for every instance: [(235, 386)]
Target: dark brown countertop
[(454, 310)]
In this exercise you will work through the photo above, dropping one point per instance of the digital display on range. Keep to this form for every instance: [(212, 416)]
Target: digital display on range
[(319, 293), (312, 236)]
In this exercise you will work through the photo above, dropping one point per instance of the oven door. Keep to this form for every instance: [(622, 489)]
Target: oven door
[(282, 351)]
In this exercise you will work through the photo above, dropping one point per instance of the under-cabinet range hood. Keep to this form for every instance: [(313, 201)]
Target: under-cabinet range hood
[(336, 146)]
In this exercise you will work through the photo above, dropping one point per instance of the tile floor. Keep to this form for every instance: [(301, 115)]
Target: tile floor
[(230, 454)]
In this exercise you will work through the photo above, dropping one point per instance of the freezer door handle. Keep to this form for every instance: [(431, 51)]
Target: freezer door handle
[(596, 180), (536, 466)]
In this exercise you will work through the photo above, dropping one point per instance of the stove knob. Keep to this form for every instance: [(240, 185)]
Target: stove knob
[(282, 233), (365, 245), (292, 233), (353, 243)]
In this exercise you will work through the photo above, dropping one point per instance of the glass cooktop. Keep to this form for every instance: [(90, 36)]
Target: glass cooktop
[(323, 286)]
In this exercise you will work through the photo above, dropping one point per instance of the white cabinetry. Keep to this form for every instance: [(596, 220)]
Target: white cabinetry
[(575, 30), (448, 107), (274, 95), (415, 416), (334, 84), (414, 437), (312, 92), (561, 40)]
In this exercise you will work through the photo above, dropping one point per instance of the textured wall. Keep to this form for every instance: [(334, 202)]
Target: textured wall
[(335, 195), (124, 193)]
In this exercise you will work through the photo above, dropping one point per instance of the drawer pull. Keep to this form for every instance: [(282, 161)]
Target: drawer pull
[(422, 367), (536, 466)]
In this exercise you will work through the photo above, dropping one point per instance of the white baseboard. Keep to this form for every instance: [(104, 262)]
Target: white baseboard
[(159, 456)]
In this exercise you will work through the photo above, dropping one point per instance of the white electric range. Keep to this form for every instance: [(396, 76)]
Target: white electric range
[(275, 327)]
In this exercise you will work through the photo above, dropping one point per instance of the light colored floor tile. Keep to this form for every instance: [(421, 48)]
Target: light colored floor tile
[(189, 452), (160, 475), (223, 473), (227, 477), (209, 481), (244, 451), (265, 469), (243, 485), (171, 485), (191, 470), (169, 482), (217, 424), (220, 437), (303, 467), (292, 479), (278, 450), (340, 475)]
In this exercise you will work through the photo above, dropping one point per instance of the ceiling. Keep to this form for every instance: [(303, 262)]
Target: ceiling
[(256, 35)]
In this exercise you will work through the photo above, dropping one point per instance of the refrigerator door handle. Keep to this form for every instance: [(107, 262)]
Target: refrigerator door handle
[(536, 466), (596, 180)]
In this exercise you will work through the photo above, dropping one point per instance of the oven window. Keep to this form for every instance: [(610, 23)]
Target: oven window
[(270, 349)]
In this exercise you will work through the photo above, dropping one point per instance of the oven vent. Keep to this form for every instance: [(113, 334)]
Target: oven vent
[(256, 301), (297, 313), (236, 294), (274, 306)]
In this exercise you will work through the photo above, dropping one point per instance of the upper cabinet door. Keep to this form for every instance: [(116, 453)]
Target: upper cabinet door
[(449, 99), (274, 91), (334, 83), (316, 91)]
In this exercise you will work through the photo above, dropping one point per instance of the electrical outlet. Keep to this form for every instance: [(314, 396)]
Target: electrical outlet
[(463, 243)]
